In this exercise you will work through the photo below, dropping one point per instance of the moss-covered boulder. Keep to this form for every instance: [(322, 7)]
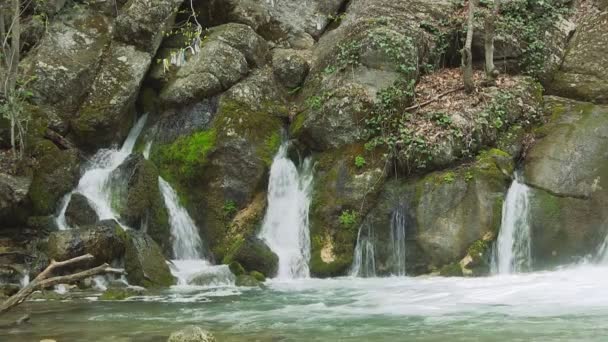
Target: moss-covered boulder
[(143, 25), (144, 261), (79, 212), (247, 281), (443, 214), (584, 71), (105, 241), (567, 169), (254, 255), (13, 197), (56, 174), (107, 113), (138, 201), (290, 68), (123, 293), (347, 181)]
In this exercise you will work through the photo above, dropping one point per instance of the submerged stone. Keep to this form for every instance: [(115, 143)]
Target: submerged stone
[(192, 334)]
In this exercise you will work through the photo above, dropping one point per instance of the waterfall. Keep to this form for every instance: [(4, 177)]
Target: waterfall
[(285, 226), (512, 252), (187, 243), (398, 227), (364, 261), (94, 183)]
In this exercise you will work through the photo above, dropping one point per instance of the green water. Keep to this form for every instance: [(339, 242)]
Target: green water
[(566, 305)]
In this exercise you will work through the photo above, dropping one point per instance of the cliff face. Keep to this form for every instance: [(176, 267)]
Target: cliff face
[(369, 88)]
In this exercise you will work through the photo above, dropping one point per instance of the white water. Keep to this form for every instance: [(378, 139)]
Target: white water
[(94, 183), (512, 252), (398, 230), (364, 261), (285, 227)]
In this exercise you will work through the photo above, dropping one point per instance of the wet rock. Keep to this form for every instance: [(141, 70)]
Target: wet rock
[(244, 39), (122, 293), (8, 290), (13, 193), (584, 70), (254, 255), (213, 276), (289, 68), (247, 281), (191, 334), (144, 262), (142, 24), (56, 174), (79, 212), (568, 173), (138, 200), (105, 241), (108, 111)]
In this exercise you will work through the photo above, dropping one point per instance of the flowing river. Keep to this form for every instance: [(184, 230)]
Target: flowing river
[(570, 304)]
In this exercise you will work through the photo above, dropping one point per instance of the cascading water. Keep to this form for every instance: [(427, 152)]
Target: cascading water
[(364, 261), (285, 227), (94, 183), (398, 230), (512, 252)]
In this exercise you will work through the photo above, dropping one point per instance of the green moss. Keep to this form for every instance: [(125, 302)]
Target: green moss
[(247, 280), (117, 294), (258, 276), (451, 270), (338, 267), (298, 124), (236, 268), (186, 157), (270, 147)]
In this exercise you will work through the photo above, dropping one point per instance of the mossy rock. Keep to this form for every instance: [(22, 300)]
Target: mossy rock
[(451, 270), (254, 255), (121, 293), (247, 281), (144, 262), (258, 276), (236, 268)]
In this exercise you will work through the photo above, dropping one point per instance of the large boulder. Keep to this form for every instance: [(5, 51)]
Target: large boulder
[(108, 111), (254, 255), (144, 261), (567, 169), (104, 240), (289, 68), (138, 200), (13, 197), (142, 24), (224, 59), (56, 174), (79, 212), (584, 71)]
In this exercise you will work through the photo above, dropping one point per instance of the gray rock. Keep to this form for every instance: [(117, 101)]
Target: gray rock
[(191, 334), (289, 68), (79, 212), (13, 193), (254, 255), (144, 262)]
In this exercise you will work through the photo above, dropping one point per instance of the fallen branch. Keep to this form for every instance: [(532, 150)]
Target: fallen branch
[(58, 140), (428, 102), (43, 281)]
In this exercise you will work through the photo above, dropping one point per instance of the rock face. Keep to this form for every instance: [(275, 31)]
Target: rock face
[(144, 262), (584, 71), (568, 171), (138, 200), (13, 194), (79, 212), (289, 68), (57, 173), (104, 241), (444, 212), (191, 334)]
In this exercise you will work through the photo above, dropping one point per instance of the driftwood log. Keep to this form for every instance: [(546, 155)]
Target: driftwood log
[(43, 280)]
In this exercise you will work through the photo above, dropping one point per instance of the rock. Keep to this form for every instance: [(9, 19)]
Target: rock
[(8, 290), (254, 255), (142, 24), (66, 59), (289, 68), (258, 276), (56, 174), (247, 281), (138, 200), (104, 240), (46, 223), (191, 334), (244, 39), (236, 268), (568, 173), (601, 4), (13, 195), (79, 212), (213, 276), (584, 71), (122, 293), (144, 262), (108, 111)]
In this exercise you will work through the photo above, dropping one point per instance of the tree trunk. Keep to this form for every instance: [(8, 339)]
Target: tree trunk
[(15, 45), (467, 55), (490, 29)]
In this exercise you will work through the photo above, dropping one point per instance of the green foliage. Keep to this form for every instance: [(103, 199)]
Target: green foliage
[(14, 110), (229, 208), (449, 177), (468, 176), (442, 119), (316, 102), (348, 218), (359, 161), (348, 54), (271, 146)]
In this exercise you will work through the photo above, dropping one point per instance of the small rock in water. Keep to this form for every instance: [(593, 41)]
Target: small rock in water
[(191, 334), (47, 340)]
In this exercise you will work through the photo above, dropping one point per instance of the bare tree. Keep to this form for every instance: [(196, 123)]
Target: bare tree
[(43, 281), (490, 28), (467, 55)]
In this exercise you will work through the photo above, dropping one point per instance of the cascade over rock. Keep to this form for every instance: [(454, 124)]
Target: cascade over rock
[(567, 169)]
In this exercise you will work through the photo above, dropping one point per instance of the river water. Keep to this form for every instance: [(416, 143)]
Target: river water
[(570, 304)]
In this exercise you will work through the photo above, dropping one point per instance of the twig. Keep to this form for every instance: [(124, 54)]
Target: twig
[(428, 102)]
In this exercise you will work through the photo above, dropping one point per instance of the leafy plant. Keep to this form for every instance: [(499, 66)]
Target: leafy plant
[(359, 161), (348, 218), (229, 208)]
